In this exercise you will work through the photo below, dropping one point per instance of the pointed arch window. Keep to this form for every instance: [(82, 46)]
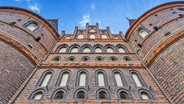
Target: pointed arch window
[(45, 78), (37, 95), (81, 94), (145, 95), (124, 94), (103, 94)]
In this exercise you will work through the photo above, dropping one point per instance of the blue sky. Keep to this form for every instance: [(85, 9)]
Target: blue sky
[(73, 13)]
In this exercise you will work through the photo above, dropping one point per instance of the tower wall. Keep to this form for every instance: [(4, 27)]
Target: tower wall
[(161, 49), (21, 48)]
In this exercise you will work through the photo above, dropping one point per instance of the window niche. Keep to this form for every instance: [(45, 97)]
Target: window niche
[(31, 25), (143, 32)]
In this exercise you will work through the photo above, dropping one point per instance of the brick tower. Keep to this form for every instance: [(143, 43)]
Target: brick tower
[(92, 65)]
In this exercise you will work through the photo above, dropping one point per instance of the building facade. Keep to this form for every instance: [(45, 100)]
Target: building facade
[(92, 65)]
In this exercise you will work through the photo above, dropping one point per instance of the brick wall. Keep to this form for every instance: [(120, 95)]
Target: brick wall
[(168, 70), (14, 69)]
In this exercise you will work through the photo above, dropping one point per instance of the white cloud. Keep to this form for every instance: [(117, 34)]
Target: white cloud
[(34, 7), (85, 19), (93, 7)]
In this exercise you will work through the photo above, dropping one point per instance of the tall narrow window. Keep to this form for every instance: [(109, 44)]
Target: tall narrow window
[(74, 50), (82, 79), (110, 50), (142, 32), (32, 26), (101, 79), (64, 79), (86, 50), (137, 79), (45, 79), (118, 79)]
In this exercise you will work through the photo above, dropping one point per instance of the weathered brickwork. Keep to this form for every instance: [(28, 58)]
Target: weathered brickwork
[(168, 70), (92, 88), (148, 61), (15, 69)]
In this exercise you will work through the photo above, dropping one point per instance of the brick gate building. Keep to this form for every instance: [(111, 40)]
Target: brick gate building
[(92, 65)]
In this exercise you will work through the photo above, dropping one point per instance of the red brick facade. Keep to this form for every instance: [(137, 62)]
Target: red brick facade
[(151, 51)]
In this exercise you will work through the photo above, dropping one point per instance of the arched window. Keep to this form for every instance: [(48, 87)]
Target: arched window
[(82, 79), (37, 95), (101, 79), (31, 25), (102, 94), (137, 79), (110, 50), (113, 59), (145, 95), (71, 58), (86, 50), (121, 48), (104, 36), (57, 58), (99, 58), (74, 50), (67, 37), (62, 48), (81, 94), (92, 36), (80, 36), (98, 50), (63, 79), (85, 58), (126, 58), (124, 94), (59, 94), (45, 78)]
